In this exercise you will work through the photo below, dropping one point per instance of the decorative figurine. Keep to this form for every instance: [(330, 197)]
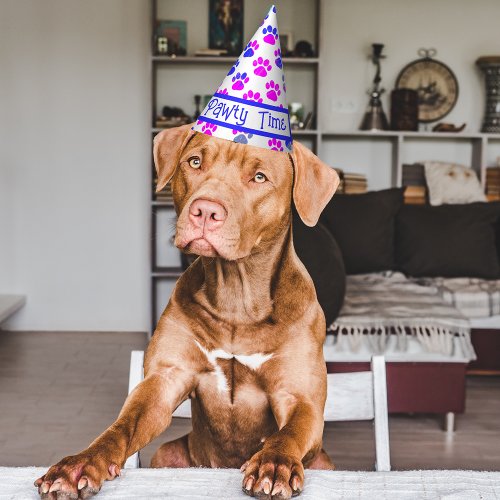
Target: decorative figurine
[(448, 127), (404, 109), (490, 66), (375, 118)]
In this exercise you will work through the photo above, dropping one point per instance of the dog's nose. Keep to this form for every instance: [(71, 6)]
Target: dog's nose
[(208, 214)]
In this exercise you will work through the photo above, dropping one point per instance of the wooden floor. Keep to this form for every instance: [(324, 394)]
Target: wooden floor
[(60, 390)]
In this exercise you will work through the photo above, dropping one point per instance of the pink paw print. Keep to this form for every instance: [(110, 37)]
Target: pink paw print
[(250, 49), (252, 96), (273, 90), (209, 128), (270, 35), (275, 145), (261, 66), (222, 91), (239, 80)]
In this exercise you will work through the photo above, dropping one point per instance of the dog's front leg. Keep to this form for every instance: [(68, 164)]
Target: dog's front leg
[(277, 470), (145, 414)]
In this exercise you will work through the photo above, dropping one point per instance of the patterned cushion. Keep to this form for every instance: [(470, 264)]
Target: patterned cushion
[(451, 183)]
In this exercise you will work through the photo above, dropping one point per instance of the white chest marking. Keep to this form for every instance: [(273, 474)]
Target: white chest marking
[(252, 361)]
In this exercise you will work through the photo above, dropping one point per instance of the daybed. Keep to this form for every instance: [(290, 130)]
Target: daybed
[(420, 285)]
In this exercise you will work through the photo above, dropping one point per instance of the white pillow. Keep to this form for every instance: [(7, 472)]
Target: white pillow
[(449, 183)]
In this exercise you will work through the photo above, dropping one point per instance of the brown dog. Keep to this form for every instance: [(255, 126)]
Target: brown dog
[(243, 332)]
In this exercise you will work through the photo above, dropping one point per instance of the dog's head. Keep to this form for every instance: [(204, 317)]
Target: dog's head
[(234, 199)]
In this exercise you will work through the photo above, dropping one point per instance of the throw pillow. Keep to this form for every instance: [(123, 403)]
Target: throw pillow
[(363, 225), (320, 254), (449, 240), (450, 183)]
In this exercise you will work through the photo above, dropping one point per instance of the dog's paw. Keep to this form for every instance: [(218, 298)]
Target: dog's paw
[(269, 475), (76, 476)]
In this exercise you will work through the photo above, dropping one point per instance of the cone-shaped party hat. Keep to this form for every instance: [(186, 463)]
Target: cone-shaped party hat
[(250, 105)]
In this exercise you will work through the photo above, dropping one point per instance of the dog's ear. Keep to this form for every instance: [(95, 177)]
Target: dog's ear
[(167, 148), (314, 184)]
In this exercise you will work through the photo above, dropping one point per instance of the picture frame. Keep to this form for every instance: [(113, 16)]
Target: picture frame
[(226, 26), (286, 42), (176, 34)]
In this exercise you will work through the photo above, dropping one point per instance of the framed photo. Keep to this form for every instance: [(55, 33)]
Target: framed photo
[(286, 42), (226, 26), (176, 34)]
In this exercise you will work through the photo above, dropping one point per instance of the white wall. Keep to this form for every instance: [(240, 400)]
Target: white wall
[(74, 175), (74, 141), (460, 30)]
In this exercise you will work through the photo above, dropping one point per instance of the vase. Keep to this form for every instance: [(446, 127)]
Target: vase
[(490, 66)]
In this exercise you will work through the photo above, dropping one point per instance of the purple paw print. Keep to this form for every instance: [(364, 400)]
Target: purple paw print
[(273, 90), (262, 66), (250, 49), (270, 35), (283, 84), (252, 96), (209, 128), (239, 81), (275, 145), (278, 61), (233, 69)]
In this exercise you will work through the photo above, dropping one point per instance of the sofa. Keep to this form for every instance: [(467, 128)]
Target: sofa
[(419, 284)]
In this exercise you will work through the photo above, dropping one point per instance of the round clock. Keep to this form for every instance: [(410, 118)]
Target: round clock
[(435, 83)]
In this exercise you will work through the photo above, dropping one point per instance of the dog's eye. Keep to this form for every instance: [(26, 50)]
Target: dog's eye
[(195, 162), (260, 177)]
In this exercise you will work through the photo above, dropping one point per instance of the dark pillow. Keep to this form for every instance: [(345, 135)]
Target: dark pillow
[(448, 240), (363, 225), (321, 256)]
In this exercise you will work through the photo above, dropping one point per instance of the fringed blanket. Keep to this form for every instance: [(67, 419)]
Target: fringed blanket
[(383, 304)]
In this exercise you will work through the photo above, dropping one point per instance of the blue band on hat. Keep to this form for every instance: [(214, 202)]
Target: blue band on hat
[(245, 129), (251, 103)]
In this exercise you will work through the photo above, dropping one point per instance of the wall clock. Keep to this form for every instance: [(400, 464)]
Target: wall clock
[(436, 84)]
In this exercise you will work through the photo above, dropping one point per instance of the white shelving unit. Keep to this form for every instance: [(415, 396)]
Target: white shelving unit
[(379, 154), (479, 144)]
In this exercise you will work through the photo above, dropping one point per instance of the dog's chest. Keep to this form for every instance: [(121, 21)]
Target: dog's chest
[(227, 370)]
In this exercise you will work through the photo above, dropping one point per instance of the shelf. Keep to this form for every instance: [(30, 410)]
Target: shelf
[(166, 204), (298, 132), (225, 60), (361, 133), (167, 273), (411, 135)]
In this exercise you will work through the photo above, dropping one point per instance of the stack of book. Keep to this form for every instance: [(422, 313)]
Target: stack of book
[(414, 181), (415, 195), (493, 183), (165, 195), (354, 183), (340, 173)]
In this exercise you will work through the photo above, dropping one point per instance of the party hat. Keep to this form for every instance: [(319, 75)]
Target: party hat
[(250, 106)]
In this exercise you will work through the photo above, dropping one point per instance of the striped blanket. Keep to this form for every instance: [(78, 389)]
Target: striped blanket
[(379, 305), (473, 297)]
